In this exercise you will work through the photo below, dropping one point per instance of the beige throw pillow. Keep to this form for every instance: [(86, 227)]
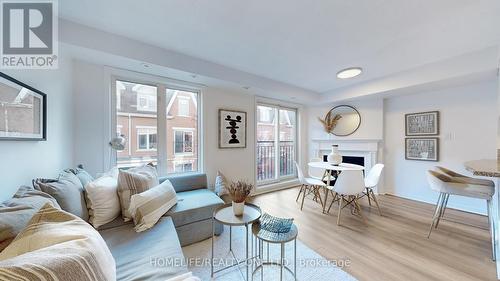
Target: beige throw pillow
[(148, 207), (134, 181), (102, 200), (57, 245)]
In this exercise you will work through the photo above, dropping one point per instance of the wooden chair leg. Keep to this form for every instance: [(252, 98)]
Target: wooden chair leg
[(376, 202), (326, 199), (436, 211), (300, 191), (303, 197), (319, 197), (340, 208), (368, 195), (358, 207)]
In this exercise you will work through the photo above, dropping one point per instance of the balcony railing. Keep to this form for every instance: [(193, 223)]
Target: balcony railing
[(266, 153)]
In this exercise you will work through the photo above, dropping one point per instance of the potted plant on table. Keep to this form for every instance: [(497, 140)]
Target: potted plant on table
[(239, 192)]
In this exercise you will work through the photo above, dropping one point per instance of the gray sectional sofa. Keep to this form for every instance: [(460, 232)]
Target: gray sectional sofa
[(156, 254)]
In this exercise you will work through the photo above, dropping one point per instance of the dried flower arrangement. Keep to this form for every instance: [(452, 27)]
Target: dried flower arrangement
[(239, 191), (330, 122)]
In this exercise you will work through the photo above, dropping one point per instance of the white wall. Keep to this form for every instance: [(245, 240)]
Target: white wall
[(91, 114), (235, 164), (21, 161), (468, 132)]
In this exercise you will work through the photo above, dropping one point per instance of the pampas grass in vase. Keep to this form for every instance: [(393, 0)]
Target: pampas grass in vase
[(239, 192)]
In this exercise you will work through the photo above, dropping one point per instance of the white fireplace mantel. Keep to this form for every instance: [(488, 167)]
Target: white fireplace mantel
[(366, 148)]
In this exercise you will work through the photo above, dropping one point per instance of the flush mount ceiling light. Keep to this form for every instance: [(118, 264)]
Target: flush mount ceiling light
[(349, 72)]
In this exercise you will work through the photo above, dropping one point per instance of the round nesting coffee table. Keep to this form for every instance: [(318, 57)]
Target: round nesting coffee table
[(264, 236), (224, 215)]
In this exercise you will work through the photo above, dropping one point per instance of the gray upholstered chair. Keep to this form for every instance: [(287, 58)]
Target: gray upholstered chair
[(451, 183)]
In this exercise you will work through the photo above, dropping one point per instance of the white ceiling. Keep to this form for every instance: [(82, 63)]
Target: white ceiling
[(301, 42)]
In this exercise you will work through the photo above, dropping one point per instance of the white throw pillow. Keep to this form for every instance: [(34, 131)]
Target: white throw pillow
[(220, 184), (102, 200), (147, 207)]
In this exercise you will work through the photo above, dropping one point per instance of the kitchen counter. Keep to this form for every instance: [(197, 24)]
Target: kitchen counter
[(490, 168), (484, 168)]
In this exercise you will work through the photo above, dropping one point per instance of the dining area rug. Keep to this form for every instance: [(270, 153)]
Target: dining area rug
[(310, 265)]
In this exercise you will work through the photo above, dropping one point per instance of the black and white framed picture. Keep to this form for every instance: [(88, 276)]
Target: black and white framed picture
[(232, 129), (23, 111), (422, 124), (425, 149)]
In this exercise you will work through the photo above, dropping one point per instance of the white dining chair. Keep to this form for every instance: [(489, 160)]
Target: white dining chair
[(462, 186), (308, 186), (371, 181), (349, 186), (316, 173)]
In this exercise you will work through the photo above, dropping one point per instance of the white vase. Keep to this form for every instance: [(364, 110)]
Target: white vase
[(238, 208), (334, 157)]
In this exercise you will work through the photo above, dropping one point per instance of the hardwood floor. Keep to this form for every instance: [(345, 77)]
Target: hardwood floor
[(394, 246)]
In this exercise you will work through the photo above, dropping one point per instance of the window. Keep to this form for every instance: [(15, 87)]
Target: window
[(182, 130), (276, 143), (146, 102), (183, 106), (146, 138), (183, 167), (158, 136), (183, 142), (265, 114)]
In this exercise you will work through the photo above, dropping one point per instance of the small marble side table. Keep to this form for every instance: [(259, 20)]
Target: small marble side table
[(224, 215)]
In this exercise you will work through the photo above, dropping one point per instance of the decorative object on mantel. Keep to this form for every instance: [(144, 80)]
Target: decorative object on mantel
[(334, 157), (232, 129), (425, 149), (342, 120), (23, 111), (330, 121), (239, 192), (422, 124)]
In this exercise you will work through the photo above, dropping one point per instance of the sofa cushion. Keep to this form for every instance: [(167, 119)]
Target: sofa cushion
[(154, 254), (102, 200), (133, 181), (83, 175), (187, 182), (67, 189), (148, 207), (16, 212), (193, 206)]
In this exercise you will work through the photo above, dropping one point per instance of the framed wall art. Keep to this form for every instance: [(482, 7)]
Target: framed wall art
[(232, 129), (422, 124), (23, 111), (425, 149)]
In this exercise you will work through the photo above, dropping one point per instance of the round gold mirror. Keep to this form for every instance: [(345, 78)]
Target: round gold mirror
[(342, 120)]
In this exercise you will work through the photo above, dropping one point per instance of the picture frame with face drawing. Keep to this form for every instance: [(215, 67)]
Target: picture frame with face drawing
[(232, 129), (423, 149)]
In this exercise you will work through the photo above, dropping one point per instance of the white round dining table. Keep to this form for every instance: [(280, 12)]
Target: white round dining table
[(327, 176), (331, 167)]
